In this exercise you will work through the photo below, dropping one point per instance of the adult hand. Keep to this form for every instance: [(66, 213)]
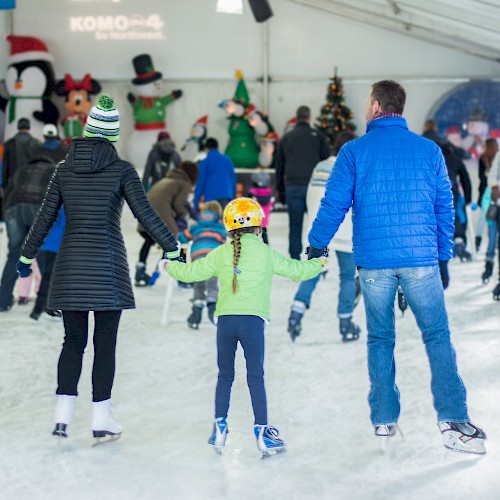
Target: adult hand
[(474, 206), (443, 271), (24, 267)]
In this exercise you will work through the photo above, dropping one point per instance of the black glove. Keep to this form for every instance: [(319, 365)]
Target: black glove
[(177, 93), (313, 253), (443, 271), (23, 267), (131, 98)]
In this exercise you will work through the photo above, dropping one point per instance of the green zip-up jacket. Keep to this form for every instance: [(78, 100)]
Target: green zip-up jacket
[(257, 265)]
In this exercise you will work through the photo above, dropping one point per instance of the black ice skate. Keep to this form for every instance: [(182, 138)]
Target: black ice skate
[(60, 430), (461, 252), (349, 330), (194, 318), (211, 311), (463, 436), (488, 271), (496, 292), (141, 278)]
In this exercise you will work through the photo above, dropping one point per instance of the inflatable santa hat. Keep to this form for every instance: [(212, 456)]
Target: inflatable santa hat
[(27, 48)]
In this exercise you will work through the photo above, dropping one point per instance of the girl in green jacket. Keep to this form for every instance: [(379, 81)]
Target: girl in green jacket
[(245, 268)]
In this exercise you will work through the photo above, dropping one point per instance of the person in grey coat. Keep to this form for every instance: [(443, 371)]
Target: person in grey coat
[(91, 271)]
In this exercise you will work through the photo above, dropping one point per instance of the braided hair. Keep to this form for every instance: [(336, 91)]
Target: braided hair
[(236, 236)]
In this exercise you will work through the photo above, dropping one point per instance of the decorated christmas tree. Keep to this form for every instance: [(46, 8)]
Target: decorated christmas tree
[(335, 115)]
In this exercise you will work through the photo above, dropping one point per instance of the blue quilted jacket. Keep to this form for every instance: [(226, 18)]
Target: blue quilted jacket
[(398, 187)]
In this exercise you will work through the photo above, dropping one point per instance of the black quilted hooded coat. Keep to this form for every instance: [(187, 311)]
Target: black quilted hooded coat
[(91, 271)]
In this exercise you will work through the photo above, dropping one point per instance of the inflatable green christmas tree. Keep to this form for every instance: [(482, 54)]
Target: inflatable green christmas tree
[(242, 147)]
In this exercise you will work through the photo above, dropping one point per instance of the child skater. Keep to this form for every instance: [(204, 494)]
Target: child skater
[(245, 268), (262, 193), (206, 235)]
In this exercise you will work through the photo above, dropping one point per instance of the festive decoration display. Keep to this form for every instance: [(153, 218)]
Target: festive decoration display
[(290, 125), (335, 116), (193, 149), (148, 105), (267, 135), (30, 83), (468, 114), (242, 147), (77, 102)]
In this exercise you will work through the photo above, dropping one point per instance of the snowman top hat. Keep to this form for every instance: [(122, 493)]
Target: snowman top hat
[(144, 69), (27, 48)]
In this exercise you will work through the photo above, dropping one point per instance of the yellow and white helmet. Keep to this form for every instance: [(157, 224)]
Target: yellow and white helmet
[(242, 212)]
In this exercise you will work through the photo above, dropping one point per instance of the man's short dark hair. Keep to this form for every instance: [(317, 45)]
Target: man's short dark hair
[(390, 95), (430, 124), (303, 113), (211, 143), (23, 124)]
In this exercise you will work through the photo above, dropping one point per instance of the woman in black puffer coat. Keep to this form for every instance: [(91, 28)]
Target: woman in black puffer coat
[(91, 271)]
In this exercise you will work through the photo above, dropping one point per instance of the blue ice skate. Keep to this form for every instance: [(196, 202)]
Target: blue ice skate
[(219, 434), (268, 441)]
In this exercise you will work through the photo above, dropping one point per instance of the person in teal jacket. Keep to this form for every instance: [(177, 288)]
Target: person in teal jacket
[(245, 268)]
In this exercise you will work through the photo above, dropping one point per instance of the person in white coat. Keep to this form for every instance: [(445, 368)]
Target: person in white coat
[(342, 244)]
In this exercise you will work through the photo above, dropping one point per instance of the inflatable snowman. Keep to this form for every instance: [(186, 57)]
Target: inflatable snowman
[(29, 82), (148, 105), (267, 136), (193, 149), (478, 129)]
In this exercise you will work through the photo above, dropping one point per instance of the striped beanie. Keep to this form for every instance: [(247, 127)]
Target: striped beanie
[(103, 120)]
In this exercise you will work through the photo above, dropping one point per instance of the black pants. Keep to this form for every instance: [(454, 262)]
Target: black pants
[(69, 369), (46, 261), (146, 247)]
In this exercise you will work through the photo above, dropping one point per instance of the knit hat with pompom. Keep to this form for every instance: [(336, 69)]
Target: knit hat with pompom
[(103, 120)]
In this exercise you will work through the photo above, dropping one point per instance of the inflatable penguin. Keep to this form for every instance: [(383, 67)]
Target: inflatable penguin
[(29, 82), (148, 105), (193, 149)]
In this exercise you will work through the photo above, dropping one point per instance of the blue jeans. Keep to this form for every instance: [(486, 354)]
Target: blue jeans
[(424, 292), (296, 201), (18, 221), (492, 241), (347, 289), (249, 332)]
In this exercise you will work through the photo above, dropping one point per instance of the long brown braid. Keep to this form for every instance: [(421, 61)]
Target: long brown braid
[(236, 236)]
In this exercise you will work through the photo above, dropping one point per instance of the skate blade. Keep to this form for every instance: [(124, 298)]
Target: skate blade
[(106, 439), (454, 443), (271, 453)]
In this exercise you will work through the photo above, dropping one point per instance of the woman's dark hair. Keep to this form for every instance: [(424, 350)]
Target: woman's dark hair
[(390, 95), (236, 235), (342, 138), (490, 150), (191, 170)]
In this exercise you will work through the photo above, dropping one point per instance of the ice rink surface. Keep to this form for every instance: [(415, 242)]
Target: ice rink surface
[(317, 389)]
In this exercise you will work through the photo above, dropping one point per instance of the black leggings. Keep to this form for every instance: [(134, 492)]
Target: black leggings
[(69, 369), (146, 247)]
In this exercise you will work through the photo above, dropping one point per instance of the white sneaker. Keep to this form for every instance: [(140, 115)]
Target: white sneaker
[(463, 436), (65, 407), (103, 424)]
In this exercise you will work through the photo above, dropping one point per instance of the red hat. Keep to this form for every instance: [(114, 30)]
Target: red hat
[(27, 48), (162, 136), (203, 120), (495, 133), (453, 130), (251, 109)]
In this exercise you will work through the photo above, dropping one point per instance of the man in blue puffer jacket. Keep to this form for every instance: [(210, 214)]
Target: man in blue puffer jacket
[(403, 222)]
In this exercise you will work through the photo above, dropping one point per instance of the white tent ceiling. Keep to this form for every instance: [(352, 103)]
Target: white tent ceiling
[(472, 26)]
